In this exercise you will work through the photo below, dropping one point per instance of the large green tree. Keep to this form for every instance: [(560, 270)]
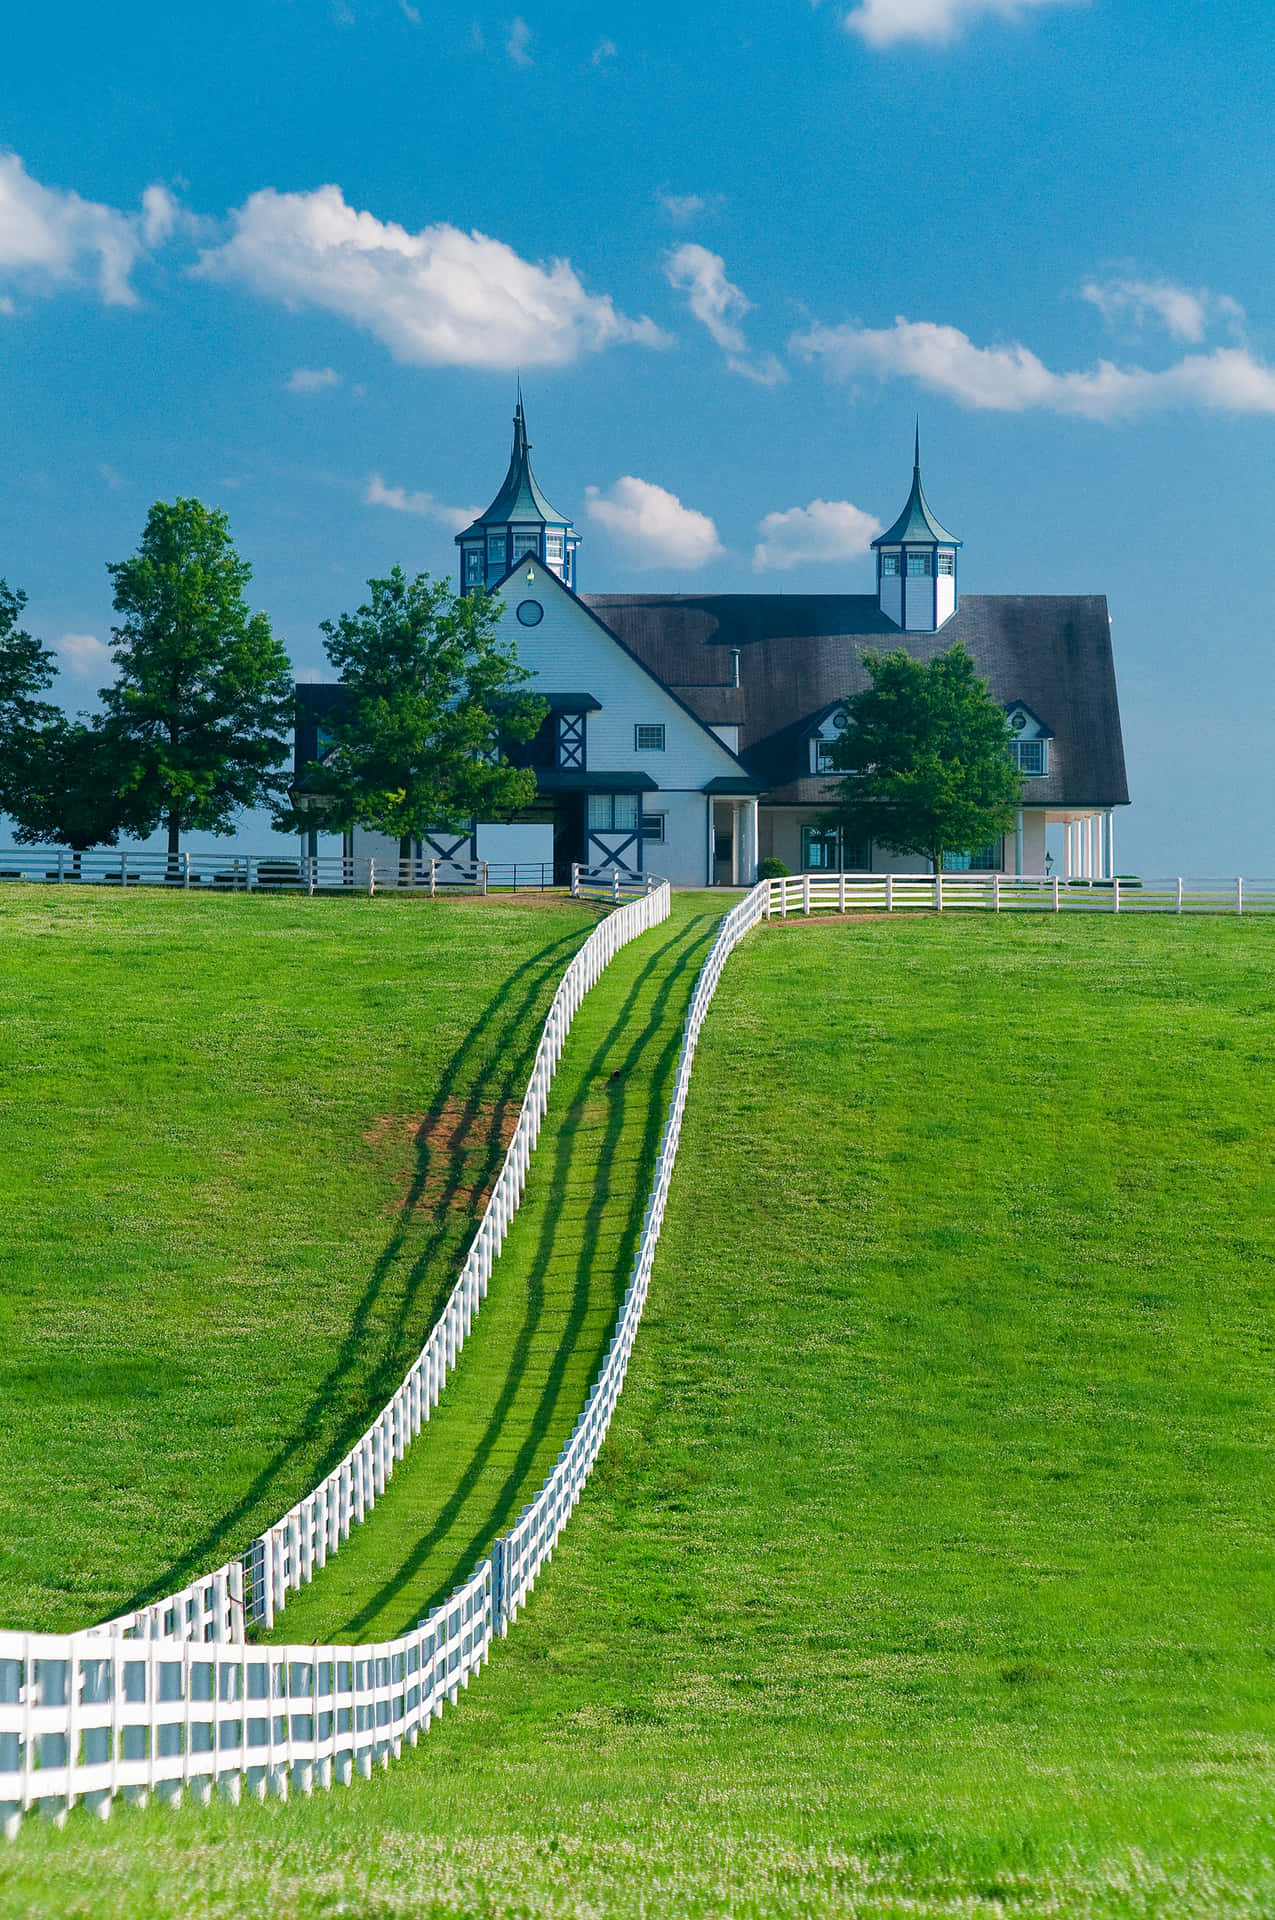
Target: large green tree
[(68, 799), (198, 719), (432, 689), (27, 670), (925, 758)]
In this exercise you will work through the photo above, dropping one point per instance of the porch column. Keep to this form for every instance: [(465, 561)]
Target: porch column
[(747, 857), (708, 802), (1111, 841)]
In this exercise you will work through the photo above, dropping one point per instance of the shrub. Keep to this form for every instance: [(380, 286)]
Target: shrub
[(771, 870)]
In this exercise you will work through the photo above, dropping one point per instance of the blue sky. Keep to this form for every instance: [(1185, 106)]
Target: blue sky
[(286, 256)]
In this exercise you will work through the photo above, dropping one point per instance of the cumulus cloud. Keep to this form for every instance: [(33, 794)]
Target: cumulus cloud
[(399, 500), (518, 43), (605, 50), (1012, 379), (85, 656), (52, 237), (652, 527), (825, 530), (1186, 312), (883, 23), (439, 297), (312, 380), (719, 305)]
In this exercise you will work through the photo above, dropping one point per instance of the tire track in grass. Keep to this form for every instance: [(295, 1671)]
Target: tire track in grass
[(536, 1347)]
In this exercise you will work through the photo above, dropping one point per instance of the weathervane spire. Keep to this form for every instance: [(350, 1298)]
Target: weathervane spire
[(916, 455)]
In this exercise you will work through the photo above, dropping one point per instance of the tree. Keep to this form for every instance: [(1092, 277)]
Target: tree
[(69, 800), (431, 689), (198, 720), (27, 669), (926, 758)]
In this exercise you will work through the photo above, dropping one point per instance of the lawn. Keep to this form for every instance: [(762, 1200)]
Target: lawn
[(242, 1141), (927, 1569)]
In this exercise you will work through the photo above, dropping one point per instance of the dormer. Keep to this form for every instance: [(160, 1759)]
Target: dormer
[(916, 564), (1029, 749), (519, 521), (821, 735)]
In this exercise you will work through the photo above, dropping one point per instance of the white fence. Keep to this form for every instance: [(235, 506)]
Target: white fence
[(1010, 893), (271, 872), (253, 1589), (188, 1708)]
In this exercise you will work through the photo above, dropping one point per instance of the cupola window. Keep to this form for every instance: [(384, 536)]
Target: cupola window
[(496, 549), (526, 543), (918, 566), (473, 566), (889, 564), (553, 545), (947, 563)]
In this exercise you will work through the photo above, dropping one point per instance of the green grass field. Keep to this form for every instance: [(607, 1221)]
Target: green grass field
[(241, 1142), (928, 1567)]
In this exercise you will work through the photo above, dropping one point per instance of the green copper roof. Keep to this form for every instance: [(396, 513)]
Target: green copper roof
[(916, 522), (520, 498)]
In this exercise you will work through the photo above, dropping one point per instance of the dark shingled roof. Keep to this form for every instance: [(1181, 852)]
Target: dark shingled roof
[(799, 652)]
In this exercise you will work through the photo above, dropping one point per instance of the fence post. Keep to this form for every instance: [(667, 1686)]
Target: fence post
[(311, 875), (575, 879), (889, 893), (1178, 908), (841, 893), (996, 893), (615, 885), (186, 870), (805, 893), (433, 878), (1115, 893), (249, 882), (123, 869), (1057, 902), (938, 890), (371, 876), (1239, 895), (483, 887), (61, 863)]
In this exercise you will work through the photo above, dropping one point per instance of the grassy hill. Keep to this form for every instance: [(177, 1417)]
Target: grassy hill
[(927, 1569), (241, 1146)]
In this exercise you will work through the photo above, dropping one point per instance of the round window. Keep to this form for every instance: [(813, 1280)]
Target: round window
[(530, 612)]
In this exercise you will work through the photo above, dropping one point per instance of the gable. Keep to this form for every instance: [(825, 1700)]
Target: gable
[(567, 645)]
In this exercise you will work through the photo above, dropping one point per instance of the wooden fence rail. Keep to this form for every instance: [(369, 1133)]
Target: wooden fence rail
[(1011, 893)]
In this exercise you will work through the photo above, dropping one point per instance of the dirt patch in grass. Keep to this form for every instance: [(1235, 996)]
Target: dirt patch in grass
[(447, 1158)]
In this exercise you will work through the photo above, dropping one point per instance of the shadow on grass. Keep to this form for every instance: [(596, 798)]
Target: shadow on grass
[(360, 1374), (622, 1120)]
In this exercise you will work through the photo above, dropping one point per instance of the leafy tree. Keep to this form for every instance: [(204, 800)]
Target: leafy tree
[(198, 720), (27, 669), (926, 757), (69, 800), (431, 689)]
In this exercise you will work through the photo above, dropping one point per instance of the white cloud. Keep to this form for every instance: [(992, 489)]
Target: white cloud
[(85, 655), (682, 208), (605, 50), (518, 43), (712, 298), (410, 13), (719, 305), (312, 380), (1186, 312), (651, 525), (1013, 380), (882, 23), (422, 504), (825, 530), (439, 297), (53, 237), (6, 305)]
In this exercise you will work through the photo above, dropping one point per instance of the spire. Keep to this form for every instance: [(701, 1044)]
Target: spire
[(917, 521), (519, 520)]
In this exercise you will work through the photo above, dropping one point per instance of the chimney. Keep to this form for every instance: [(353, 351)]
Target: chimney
[(734, 666)]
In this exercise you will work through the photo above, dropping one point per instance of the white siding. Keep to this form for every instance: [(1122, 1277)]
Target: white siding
[(946, 584)]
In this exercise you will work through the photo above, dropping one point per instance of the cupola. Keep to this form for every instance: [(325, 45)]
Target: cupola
[(916, 563), (519, 521)]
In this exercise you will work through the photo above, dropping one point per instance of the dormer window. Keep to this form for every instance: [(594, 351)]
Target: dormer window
[(918, 566), (889, 564), (821, 760), (1030, 756)]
